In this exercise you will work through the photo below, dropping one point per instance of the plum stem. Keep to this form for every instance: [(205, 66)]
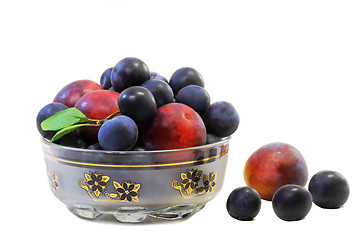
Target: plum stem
[(102, 121), (112, 115)]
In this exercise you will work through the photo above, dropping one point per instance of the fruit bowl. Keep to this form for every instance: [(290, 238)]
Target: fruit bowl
[(134, 185)]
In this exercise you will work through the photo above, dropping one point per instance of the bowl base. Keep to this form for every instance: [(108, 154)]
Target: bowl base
[(137, 214)]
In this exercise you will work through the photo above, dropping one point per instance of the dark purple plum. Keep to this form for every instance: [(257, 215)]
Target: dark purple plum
[(291, 202), (183, 77), (221, 119), (156, 76), (129, 72), (211, 138), (72, 140), (105, 79), (243, 203), (138, 148), (195, 97), (45, 113), (161, 91), (95, 146), (138, 103), (118, 134), (329, 189)]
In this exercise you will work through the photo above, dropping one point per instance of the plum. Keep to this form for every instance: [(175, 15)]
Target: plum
[(329, 189), (156, 76), (118, 134), (96, 105), (105, 79), (174, 126), (183, 77), (46, 112), (275, 165), (195, 97), (72, 140), (138, 103), (95, 146), (291, 202), (129, 72), (243, 203), (161, 91), (72, 92), (221, 119)]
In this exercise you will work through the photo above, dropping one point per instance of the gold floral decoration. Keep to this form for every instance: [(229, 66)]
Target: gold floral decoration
[(189, 183), (53, 181), (190, 179), (209, 182), (128, 191), (96, 184)]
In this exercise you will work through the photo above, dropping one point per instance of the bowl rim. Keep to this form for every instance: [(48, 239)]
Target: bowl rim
[(205, 146)]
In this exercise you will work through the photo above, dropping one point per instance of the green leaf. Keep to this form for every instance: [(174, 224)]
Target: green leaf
[(64, 119), (69, 129)]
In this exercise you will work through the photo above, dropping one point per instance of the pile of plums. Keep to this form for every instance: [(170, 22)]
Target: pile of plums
[(278, 172), (147, 111)]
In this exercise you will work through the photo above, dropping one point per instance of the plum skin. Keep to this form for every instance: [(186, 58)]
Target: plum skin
[(243, 203), (291, 202), (72, 92), (183, 77), (161, 91), (105, 79), (96, 105), (117, 134), (195, 97), (174, 126), (129, 72), (221, 119), (46, 112), (138, 103), (329, 189), (275, 165)]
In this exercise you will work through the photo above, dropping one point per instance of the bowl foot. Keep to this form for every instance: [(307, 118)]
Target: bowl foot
[(176, 212), (130, 214), (84, 211), (137, 214)]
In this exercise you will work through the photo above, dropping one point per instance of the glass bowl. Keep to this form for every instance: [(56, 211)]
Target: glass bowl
[(134, 185)]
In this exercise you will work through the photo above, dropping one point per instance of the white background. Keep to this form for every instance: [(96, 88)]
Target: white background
[(291, 69)]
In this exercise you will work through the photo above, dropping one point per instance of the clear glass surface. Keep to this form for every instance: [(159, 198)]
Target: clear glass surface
[(134, 185)]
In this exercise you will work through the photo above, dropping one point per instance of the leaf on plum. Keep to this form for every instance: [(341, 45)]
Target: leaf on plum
[(67, 130), (63, 119)]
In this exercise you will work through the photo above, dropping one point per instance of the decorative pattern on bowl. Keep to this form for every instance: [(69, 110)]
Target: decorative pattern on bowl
[(132, 186)]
